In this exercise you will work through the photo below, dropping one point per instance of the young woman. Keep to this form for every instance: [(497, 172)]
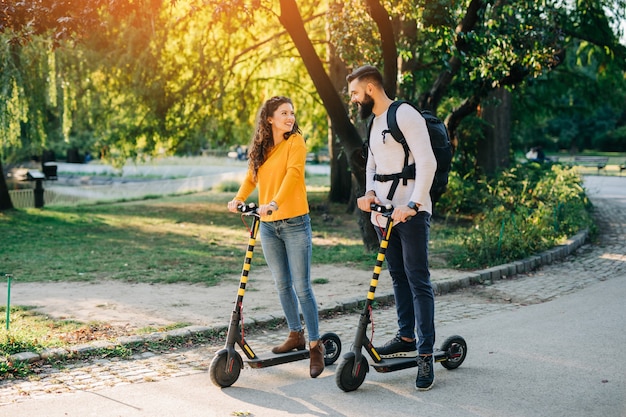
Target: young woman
[(276, 167)]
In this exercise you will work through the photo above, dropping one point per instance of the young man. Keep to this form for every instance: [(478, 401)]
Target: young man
[(407, 253)]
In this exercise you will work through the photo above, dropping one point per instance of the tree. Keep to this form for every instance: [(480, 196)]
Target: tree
[(350, 139), (452, 55), (22, 24), (579, 105), (152, 79)]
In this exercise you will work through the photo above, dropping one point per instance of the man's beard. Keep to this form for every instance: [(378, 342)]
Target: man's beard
[(366, 107)]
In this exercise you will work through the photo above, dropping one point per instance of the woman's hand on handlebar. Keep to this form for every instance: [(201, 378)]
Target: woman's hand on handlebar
[(232, 205), (266, 209)]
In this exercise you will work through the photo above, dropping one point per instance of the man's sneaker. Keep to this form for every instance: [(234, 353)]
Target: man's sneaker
[(425, 373), (397, 348)]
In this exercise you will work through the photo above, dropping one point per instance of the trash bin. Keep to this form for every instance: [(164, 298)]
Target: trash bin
[(50, 170), (38, 177)]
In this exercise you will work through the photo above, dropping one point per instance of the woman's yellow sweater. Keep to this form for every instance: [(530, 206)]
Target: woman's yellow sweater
[(281, 179)]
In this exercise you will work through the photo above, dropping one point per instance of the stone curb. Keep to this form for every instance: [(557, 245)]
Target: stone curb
[(440, 287)]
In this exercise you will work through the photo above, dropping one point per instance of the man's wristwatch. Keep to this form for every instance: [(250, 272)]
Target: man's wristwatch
[(413, 206)]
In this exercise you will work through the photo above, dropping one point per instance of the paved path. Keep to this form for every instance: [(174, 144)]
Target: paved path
[(590, 263), (169, 176), (183, 175)]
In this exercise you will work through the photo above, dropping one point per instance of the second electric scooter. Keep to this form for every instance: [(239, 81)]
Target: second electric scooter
[(352, 370), (227, 363)]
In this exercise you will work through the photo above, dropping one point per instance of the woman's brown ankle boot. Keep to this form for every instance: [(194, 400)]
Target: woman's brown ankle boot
[(295, 340), (317, 359)]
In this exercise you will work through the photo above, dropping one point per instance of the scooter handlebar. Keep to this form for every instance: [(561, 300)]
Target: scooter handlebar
[(246, 208), (250, 209), (385, 210)]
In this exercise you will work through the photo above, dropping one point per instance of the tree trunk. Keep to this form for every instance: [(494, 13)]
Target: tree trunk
[(347, 133), (493, 152), (340, 176), (388, 44), (5, 198)]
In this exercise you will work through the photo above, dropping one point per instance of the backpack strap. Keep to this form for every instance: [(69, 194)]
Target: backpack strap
[(408, 171), (392, 123)]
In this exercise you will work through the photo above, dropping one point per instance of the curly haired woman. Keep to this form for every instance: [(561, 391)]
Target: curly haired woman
[(276, 166)]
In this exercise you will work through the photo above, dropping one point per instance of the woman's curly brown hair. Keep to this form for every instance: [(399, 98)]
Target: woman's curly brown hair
[(262, 140)]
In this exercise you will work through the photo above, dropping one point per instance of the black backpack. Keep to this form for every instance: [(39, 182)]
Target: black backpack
[(439, 140)]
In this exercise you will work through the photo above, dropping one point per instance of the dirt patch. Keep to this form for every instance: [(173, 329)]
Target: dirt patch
[(137, 306)]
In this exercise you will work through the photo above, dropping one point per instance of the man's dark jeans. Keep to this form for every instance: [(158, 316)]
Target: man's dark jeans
[(407, 260)]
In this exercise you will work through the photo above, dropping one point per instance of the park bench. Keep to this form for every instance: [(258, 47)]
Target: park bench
[(592, 161), (622, 167)]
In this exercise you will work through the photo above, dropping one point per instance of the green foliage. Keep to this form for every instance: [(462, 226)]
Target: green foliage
[(470, 132), (521, 212), (151, 81), (577, 106), (615, 140), (10, 345), (29, 332), (13, 369)]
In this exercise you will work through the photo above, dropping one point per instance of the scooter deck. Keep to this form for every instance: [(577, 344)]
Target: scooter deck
[(397, 364), (277, 359)]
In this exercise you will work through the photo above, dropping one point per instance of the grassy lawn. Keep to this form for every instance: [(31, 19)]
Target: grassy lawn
[(189, 238)]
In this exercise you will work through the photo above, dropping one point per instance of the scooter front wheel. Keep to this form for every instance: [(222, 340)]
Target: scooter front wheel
[(350, 375), (332, 344), (455, 350), (224, 371)]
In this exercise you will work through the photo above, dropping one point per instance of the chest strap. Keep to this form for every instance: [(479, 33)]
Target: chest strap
[(408, 173)]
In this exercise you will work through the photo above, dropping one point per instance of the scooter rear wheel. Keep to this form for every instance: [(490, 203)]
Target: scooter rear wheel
[(455, 350), (345, 378), (332, 344), (223, 372)]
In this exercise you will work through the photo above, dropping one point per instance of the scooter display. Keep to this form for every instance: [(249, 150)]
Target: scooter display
[(227, 363), (352, 370)]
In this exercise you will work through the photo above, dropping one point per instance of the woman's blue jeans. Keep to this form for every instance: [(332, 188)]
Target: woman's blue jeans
[(287, 247), (407, 260)]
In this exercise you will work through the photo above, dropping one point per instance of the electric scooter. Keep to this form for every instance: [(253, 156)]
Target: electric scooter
[(227, 363), (352, 370)]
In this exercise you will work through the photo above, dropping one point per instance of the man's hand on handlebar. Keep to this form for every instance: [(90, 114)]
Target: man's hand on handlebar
[(364, 203), (403, 214)]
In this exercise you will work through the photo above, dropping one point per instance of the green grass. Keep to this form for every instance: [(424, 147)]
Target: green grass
[(189, 238), (35, 331)]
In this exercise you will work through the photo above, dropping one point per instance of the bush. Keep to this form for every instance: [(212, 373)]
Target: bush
[(227, 187), (524, 210)]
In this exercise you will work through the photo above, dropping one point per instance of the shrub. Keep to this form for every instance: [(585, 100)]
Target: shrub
[(227, 187), (524, 210)]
